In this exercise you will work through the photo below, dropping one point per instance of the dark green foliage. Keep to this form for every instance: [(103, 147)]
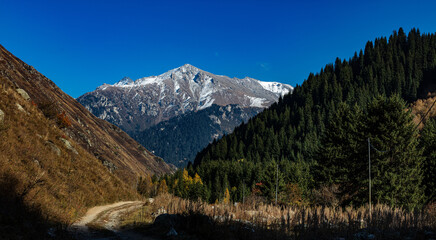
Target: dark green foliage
[(397, 173), (428, 142), (179, 139), (271, 179), (396, 165), (290, 130)]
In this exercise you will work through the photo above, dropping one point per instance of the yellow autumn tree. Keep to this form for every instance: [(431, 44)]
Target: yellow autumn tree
[(186, 178), (197, 179), (163, 188), (145, 186), (226, 199)]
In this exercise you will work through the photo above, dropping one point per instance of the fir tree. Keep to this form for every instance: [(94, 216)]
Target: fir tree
[(428, 142)]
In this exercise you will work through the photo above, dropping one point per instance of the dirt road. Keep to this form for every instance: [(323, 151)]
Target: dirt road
[(101, 222)]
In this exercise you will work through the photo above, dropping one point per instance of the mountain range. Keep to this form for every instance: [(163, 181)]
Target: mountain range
[(137, 106)]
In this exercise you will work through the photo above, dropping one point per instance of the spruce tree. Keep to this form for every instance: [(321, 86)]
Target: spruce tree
[(428, 142), (397, 172), (396, 158)]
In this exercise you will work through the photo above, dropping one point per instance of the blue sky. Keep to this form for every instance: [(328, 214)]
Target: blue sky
[(83, 44)]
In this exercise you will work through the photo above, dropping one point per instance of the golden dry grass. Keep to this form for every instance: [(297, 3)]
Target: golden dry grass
[(306, 222), (61, 186)]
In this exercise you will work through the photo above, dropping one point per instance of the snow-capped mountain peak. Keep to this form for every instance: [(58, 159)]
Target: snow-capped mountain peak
[(139, 104), (124, 81)]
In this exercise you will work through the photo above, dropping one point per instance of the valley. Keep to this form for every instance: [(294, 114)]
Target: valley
[(347, 153)]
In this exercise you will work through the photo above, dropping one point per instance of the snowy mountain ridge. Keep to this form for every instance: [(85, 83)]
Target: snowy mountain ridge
[(137, 105)]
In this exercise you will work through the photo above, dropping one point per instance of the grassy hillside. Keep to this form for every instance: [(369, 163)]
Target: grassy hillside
[(113, 147), (40, 174)]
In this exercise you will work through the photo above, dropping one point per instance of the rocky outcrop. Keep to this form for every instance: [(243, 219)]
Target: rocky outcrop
[(23, 94)]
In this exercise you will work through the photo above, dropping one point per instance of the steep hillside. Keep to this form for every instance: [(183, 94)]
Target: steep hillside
[(46, 178), (137, 105), (179, 139), (106, 142)]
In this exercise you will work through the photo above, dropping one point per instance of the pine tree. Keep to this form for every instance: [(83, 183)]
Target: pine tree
[(428, 143), (270, 180), (397, 173), (396, 168)]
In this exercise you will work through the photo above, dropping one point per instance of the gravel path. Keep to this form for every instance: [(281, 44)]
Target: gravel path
[(106, 219)]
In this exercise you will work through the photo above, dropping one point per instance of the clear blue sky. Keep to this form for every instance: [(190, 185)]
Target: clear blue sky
[(83, 44)]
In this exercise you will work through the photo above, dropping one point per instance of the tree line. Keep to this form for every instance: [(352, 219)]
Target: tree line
[(318, 136)]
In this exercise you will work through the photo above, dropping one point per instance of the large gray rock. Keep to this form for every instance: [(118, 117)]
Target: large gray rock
[(2, 117), (23, 94)]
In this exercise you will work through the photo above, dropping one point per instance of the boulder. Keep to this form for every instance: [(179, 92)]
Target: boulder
[(19, 107), (23, 94), (172, 233), (2, 117), (53, 147), (69, 146)]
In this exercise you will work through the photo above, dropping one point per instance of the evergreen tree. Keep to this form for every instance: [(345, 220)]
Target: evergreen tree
[(428, 142), (270, 181), (292, 128), (395, 165), (397, 172)]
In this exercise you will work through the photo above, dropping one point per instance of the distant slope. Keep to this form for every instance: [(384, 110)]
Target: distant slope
[(114, 148), (137, 105), (179, 139), (180, 96)]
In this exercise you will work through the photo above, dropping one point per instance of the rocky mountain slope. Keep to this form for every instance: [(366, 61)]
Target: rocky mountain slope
[(104, 141), (137, 105), (179, 139)]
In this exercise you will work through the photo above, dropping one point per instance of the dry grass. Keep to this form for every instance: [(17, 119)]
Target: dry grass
[(306, 222), (421, 107), (59, 187), (139, 217)]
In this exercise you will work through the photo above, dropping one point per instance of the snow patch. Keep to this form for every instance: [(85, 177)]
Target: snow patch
[(275, 87), (176, 87), (147, 81), (202, 104), (205, 99), (256, 102)]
